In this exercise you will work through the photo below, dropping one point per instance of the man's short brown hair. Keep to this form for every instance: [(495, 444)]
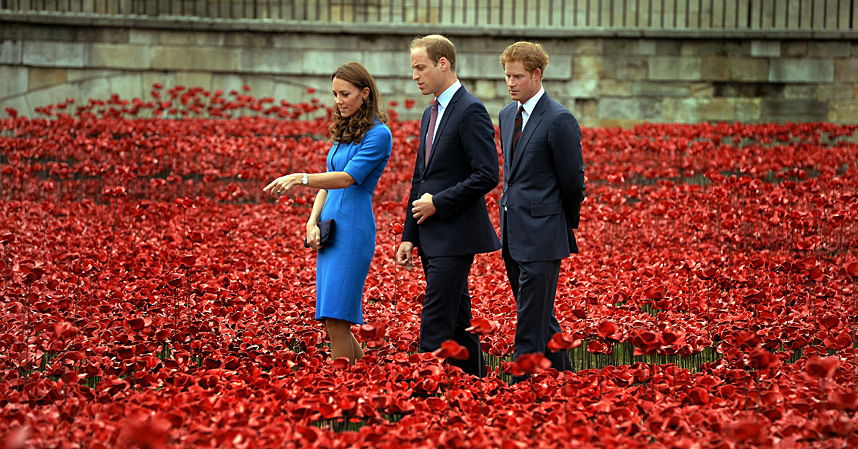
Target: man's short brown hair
[(531, 55), (437, 47)]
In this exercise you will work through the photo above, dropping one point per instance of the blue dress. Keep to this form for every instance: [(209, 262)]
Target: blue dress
[(342, 266)]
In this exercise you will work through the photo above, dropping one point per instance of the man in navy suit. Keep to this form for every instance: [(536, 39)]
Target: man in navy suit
[(447, 219), (543, 188)]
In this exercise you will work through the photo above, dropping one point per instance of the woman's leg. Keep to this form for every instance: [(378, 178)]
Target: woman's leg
[(343, 342)]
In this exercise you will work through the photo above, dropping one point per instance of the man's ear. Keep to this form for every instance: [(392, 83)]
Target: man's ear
[(538, 73), (443, 63)]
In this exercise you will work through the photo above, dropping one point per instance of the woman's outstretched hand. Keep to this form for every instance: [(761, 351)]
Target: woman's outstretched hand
[(282, 184)]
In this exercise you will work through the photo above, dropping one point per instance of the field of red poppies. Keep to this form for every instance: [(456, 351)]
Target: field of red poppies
[(154, 296)]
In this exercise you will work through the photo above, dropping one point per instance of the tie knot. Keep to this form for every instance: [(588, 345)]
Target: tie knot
[(435, 104), (520, 109)]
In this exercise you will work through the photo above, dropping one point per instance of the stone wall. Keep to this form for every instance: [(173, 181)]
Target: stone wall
[(605, 79)]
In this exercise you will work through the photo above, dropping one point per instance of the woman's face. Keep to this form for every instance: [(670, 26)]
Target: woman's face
[(348, 97)]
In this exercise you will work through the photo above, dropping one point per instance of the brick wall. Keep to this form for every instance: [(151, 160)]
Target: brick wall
[(606, 80)]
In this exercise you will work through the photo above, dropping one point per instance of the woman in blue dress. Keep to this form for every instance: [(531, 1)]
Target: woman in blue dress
[(360, 151)]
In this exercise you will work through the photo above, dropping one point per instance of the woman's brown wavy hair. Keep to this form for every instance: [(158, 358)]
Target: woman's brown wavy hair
[(352, 129)]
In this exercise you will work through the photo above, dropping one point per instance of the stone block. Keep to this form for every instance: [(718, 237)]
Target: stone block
[(38, 77), (119, 56), (747, 109), (559, 67), (274, 61), (843, 111), (148, 79), (470, 65), (614, 88), (615, 47), (84, 74), (777, 110), (13, 80), (715, 68), (668, 47), (749, 69), (647, 47), (54, 54), (666, 68), (800, 91), (586, 67), (143, 36), (846, 70), (627, 69), (291, 93), (630, 108), (129, 85), (702, 90), (835, 92), (716, 110), (679, 110), (485, 90), (794, 70), (580, 89), (401, 44), (793, 48), (586, 46), (216, 59), (766, 49), (11, 52), (585, 108), (390, 63), (834, 49), (612, 123), (704, 48), (656, 89), (245, 40), (96, 88)]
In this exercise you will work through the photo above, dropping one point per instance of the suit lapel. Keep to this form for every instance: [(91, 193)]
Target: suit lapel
[(439, 128), (532, 124)]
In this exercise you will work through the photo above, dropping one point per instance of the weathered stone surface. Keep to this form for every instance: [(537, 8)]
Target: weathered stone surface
[(216, 59), (73, 75), (54, 54), (647, 47), (38, 78), (846, 70), (749, 69), (582, 46), (245, 40), (715, 68), (793, 110), (801, 70), (667, 68), (843, 111), (11, 52), (55, 94), (834, 92), (273, 60), (702, 90), (630, 108), (792, 48), (143, 36), (766, 49), (485, 90), (836, 49), (716, 110), (584, 109), (656, 89), (615, 47), (13, 80), (119, 56), (668, 47), (628, 69), (747, 109), (614, 88), (95, 88), (679, 110), (581, 89), (800, 91), (586, 67), (390, 63)]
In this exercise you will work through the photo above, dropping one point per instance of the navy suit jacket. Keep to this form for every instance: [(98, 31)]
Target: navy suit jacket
[(543, 185), (462, 169)]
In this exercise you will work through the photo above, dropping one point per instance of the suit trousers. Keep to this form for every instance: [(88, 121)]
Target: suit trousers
[(534, 285), (447, 309)]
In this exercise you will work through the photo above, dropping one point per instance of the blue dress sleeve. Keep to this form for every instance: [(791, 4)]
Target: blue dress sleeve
[(375, 147)]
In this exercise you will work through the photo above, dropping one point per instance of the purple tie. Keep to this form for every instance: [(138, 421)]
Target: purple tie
[(432, 117)]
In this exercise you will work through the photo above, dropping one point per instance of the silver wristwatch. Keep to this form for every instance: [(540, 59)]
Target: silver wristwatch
[(304, 179)]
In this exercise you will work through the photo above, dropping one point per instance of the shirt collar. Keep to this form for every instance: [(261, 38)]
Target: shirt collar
[(530, 104), (447, 95)]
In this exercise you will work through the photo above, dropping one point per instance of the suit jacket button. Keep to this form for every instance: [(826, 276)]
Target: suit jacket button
[(422, 180)]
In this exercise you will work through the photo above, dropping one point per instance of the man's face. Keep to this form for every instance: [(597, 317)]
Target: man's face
[(522, 84), (429, 76)]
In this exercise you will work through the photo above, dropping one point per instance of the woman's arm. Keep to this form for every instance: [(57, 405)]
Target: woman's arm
[(313, 234), (329, 180)]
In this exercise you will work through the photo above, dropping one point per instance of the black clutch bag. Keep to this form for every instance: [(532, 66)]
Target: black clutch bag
[(326, 229)]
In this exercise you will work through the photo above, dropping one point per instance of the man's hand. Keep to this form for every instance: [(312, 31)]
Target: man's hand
[(423, 208), (403, 255)]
